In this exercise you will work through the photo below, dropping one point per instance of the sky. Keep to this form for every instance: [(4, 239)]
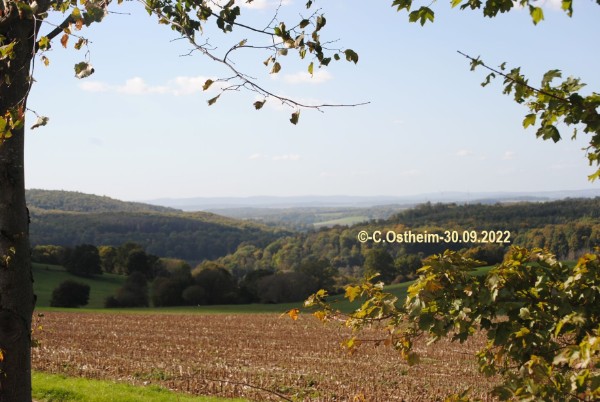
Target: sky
[(140, 128)]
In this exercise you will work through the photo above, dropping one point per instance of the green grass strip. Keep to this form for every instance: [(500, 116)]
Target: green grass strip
[(58, 388)]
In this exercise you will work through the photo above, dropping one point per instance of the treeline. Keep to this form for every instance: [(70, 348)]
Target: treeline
[(567, 228), (170, 282), (189, 236), (54, 200), (522, 215), (69, 218)]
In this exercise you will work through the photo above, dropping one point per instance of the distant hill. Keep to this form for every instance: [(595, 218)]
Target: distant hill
[(213, 203), (568, 228), (52, 200), (70, 218)]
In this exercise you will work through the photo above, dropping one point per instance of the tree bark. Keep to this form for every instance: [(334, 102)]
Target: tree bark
[(16, 280)]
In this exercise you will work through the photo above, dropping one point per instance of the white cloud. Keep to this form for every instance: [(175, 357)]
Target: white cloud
[(509, 155), (463, 152), (179, 86), (287, 157), (303, 77), (256, 156)]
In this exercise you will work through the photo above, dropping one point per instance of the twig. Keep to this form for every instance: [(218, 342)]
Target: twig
[(540, 91)]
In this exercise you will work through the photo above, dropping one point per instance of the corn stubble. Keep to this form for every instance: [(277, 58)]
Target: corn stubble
[(245, 355)]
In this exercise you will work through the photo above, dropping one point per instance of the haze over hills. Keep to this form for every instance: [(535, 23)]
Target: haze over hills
[(218, 203)]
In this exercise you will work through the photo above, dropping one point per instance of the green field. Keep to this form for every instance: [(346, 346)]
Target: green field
[(342, 221), (47, 277), (55, 388)]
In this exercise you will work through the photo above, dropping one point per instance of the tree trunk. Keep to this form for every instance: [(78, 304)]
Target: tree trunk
[(16, 281)]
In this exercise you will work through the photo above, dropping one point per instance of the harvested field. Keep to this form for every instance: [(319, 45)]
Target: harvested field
[(236, 355)]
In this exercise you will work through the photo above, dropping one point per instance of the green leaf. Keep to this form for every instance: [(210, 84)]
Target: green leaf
[(537, 14), (44, 43), (7, 51), (259, 104), (549, 132), (529, 120), (83, 69), (456, 3), (422, 15), (351, 55), (549, 76), (213, 100), (295, 117), (310, 68), (207, 84)]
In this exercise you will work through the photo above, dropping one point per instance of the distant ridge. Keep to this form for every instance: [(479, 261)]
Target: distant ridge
[(68, 218), (73, 201), (208, 203)]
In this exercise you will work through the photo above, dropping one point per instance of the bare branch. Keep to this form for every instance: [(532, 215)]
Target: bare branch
[(246, 81)]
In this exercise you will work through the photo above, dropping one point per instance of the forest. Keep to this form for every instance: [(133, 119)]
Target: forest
[(175, 258)]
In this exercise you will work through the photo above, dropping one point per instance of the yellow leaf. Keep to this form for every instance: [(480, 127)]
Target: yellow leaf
[(293, 313), (1, 355), (321, 315), (352, 292)]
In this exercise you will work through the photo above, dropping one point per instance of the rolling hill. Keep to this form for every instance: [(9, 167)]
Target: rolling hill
[(70, 218)]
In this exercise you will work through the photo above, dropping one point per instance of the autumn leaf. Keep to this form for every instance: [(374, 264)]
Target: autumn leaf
[(293, 313), (207, 84), (64, 40), (320, 315)]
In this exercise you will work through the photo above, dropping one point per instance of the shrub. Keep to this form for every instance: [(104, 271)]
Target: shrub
[(70, 294)]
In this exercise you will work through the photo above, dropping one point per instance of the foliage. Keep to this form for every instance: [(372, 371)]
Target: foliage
[(551, 103), (541, 319), (193, 236), (70, 294), (285, 287), (568, 228), (48, 254), (133, 293), (219, 285), (83, 260), (378, 260), (55, 200)]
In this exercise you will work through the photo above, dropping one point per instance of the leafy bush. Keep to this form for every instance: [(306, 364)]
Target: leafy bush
[(541, 318), (286, 287), (70, 294), (133, 293)]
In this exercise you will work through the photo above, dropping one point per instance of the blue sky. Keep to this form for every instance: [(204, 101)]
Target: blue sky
[(140, 127)]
